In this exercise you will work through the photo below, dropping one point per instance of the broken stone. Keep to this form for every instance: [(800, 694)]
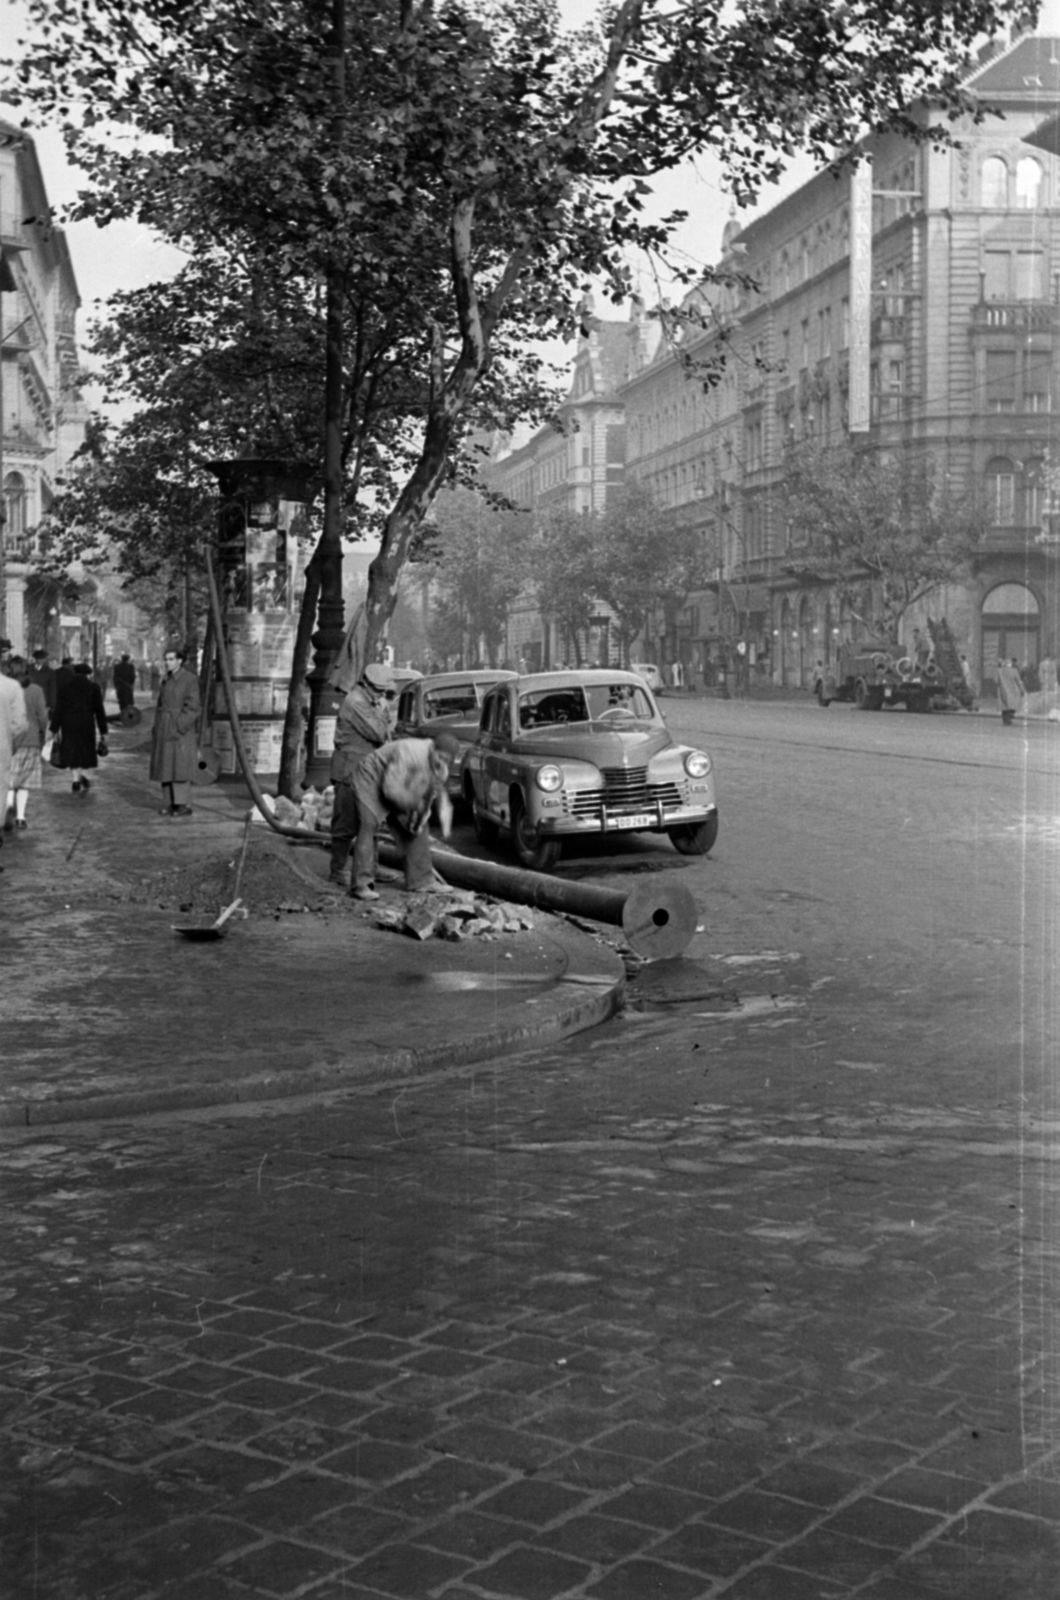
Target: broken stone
[(420, 921)]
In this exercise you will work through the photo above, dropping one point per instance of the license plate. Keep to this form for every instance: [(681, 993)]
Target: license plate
[(636, 819)]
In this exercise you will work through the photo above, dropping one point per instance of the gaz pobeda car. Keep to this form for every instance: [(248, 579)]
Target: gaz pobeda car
[(560, 754), (446, 702)]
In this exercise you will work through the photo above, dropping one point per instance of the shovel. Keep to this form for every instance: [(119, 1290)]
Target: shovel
[(216, 930)]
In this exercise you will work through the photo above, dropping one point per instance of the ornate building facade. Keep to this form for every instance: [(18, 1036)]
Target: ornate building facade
[(573, 467), (42, 413), (961, 349)]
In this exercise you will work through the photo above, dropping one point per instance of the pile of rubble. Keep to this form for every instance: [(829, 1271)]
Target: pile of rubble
[(453, 914), (311, 813)]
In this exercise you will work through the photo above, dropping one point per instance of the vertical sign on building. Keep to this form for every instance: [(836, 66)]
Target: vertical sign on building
[(860, 293)]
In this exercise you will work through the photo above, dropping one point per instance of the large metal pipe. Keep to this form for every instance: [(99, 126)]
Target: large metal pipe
[(658, 919)]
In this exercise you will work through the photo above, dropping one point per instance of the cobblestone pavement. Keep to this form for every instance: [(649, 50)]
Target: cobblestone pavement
[(705, 1304)]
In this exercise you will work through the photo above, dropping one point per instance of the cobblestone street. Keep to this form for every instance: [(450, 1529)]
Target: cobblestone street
[(682, 1308)]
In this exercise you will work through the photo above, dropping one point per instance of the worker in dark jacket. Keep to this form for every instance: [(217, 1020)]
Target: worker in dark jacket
[(365, 721), (174, 739)]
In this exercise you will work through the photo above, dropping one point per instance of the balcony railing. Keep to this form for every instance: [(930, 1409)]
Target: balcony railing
[(1017, 315)]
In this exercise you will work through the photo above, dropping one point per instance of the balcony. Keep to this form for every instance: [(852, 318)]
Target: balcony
[(1017, 316)]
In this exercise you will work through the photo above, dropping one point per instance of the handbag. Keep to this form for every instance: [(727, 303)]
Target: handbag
[(102, 749), (56, 754)]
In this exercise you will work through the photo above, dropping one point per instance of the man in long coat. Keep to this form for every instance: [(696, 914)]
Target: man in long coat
[(124, 682), (1010, 690), (174, 740)]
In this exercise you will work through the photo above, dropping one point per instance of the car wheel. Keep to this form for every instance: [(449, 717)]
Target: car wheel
[(534, 852), (861, 695), (695, 838)]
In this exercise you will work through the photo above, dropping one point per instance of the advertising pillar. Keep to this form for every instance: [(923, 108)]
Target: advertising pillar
[(262, 521)]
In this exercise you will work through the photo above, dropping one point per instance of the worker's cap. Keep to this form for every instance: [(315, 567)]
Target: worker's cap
[(448, 744), (378, 676)]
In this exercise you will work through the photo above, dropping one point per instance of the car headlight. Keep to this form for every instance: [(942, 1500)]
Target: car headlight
[(549, 779), (697, 763)]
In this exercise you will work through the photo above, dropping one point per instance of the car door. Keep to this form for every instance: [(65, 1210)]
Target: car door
[(496, 754)]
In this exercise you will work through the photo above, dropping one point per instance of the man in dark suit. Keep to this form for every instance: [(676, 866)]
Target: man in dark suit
[(43, 675)]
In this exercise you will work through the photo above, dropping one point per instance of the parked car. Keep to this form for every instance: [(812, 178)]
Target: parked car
[(447, 702), (559, 754), (651, 675)]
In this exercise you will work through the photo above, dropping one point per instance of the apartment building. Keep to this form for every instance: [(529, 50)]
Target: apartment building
[(42, 413), (572, 467), (954, 341)]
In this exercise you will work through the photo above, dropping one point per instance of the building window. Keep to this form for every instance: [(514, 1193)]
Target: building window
[(1000, 484), (1001, 380), (14, 505), (1034, 493), (995, 183), (804, 343), (1028, 183), (845, 324), (824, 320), (1036, 365)]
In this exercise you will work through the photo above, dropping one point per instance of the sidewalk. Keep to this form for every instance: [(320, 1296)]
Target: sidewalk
[(105, 1010)]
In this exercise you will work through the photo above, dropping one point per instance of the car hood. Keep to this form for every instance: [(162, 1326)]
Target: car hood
[(598, 742)]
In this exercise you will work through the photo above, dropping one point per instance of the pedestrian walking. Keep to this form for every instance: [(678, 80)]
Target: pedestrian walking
[(43, 674), (77, 717), (13, 723), (365, 721), (1010, 690), (174, 738), (25, 770), (124, 682), (400, 784)]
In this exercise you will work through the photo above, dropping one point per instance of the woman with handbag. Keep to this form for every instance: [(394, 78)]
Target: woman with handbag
[(174, 738), (77, 715), (25, 771)]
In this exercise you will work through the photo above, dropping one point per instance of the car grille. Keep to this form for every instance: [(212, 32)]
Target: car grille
[(625, 788)]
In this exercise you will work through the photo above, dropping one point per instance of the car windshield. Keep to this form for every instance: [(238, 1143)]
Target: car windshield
[(452, 700), (545, 708)]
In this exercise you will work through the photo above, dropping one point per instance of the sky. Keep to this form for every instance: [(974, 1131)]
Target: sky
[(127, 256)]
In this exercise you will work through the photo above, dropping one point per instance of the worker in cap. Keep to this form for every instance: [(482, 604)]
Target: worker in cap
[(365, 721), (401, 784)]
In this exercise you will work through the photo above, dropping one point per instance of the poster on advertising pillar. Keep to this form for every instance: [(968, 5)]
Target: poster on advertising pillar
[(262, 526)]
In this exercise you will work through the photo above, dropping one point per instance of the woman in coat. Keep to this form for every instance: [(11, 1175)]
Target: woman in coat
[(77, 716), (174, 741), (25, 756)]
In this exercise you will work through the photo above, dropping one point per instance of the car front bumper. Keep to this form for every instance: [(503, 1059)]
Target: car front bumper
[(645, 819)]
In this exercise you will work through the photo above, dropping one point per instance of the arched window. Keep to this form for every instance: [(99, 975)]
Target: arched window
[(14, 505), (1028, 183), (995, 183), (1000, 487)]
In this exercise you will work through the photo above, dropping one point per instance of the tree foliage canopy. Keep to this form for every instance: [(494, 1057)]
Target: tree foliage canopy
[(882, 532), (470, 164)]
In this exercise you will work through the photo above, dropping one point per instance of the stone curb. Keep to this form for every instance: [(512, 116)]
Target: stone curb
[(598, 980)]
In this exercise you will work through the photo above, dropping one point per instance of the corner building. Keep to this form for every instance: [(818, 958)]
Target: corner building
[(963, 342), (42, 411)]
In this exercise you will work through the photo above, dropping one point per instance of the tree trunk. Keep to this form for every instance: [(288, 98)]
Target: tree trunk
[(293, 721)]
